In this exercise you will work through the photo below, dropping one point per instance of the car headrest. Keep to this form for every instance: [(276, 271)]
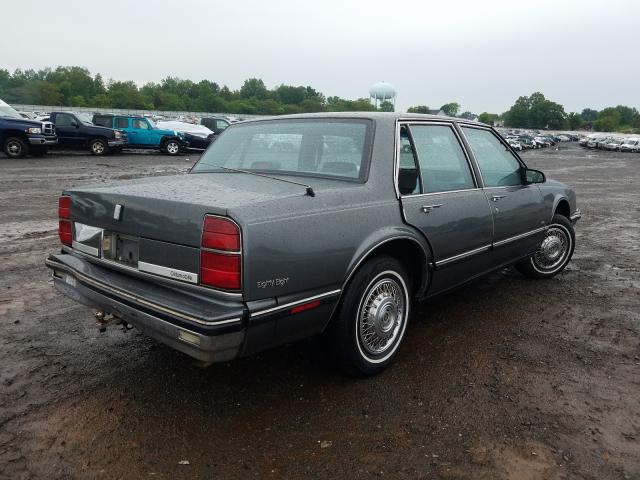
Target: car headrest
[(265, 165), (339, 167), (407, 180)]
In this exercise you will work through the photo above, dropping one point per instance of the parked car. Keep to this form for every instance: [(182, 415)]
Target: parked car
[(630, 145), (20, 136), (543, 141), (614, 144), (142, 133), (260, 244), (216, 124), (77, 132), (515, 145), (198, 136)]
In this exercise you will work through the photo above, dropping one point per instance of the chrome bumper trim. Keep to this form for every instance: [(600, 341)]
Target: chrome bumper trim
[(55, 266), (173, 273)]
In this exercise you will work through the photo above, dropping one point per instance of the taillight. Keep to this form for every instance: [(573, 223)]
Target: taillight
[(64, 225), (220, 257)]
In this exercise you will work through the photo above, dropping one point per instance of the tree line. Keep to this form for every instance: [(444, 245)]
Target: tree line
[(76, 87), (537, 112)]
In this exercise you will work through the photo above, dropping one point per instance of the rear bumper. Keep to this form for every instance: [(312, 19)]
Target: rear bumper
[(43, 140), (215, 336)]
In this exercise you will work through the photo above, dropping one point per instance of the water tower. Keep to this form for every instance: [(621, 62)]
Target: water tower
[(381, 92)]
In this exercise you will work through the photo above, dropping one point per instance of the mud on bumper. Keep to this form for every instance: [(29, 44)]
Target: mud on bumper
[(215, 336)]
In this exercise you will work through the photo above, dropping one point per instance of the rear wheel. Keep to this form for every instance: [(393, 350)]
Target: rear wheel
[(553, 253), (15, 147), (372, 317), (172, 147), (98, 147)]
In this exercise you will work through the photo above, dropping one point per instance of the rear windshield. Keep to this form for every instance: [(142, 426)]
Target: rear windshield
[(315, 147)]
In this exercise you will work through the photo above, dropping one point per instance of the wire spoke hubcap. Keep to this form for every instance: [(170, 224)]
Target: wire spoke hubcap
[(381, 316), (552, 250)]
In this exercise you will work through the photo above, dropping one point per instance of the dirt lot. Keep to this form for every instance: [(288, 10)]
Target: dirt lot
[(506, 378)]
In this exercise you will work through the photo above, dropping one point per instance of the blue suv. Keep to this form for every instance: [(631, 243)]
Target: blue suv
[(142, 133)]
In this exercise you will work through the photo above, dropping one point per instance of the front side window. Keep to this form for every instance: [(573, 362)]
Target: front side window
[(64, 120), (324, 147), (498, 165), (221, 124), (140, 124), (443, 165), (122, 122)]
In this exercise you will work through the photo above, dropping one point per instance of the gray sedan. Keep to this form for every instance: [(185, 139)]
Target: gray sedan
[(296, 226)]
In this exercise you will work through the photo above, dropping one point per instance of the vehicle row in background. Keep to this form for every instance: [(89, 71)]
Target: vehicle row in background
[(25, 133), (612, 143), (529, 140)]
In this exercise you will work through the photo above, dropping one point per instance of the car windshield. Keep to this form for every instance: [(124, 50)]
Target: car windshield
[(307, 147), (7, 111), (152, 123)]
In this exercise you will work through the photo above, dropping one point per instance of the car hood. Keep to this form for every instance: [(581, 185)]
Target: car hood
[(23, 122)]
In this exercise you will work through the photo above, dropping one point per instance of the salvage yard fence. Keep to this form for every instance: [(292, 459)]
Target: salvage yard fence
[(121, 111)]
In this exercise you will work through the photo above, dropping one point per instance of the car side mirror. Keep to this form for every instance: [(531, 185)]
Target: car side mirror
[(74, 124), (534, 176)]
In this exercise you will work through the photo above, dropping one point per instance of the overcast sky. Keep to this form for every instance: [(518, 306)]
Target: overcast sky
[(482, 54)]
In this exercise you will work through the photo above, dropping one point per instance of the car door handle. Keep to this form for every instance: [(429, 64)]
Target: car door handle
[(495, 198), (428, 208)]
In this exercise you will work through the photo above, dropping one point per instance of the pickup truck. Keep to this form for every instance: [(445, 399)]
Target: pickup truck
[(142, 133), (216, 124), (20, 137), (77, 131), (303, 225)]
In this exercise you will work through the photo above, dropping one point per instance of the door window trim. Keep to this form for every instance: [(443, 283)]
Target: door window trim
[(502, 141), (408, 122)]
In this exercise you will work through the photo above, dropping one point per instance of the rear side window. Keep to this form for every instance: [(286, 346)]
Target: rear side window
[(499, 167), (443, 164), (122, 122), (140, 124)]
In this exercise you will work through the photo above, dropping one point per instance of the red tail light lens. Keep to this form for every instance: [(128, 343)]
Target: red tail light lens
[(220, 270), (64, 207), (64, 232), (64, 225), (220, 234)]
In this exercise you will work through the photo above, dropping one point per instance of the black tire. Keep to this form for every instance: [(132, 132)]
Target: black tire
[(172, 147), (383, 278), (98, 147), (15, 147), (560, 230)]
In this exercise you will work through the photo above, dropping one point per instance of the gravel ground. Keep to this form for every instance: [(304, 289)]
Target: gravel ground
[(505, 378)]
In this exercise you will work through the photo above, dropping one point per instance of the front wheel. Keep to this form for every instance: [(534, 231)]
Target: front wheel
[(172, 147), (15, 147), (372, 317), (97, 147), (553, 253)]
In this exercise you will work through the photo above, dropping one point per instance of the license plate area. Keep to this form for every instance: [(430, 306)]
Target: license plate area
[(122, 249)]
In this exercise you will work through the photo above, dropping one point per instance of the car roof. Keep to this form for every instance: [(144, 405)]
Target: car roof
[(371, 116)]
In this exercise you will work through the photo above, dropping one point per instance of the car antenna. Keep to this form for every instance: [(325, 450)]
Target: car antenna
[(309, 191)]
